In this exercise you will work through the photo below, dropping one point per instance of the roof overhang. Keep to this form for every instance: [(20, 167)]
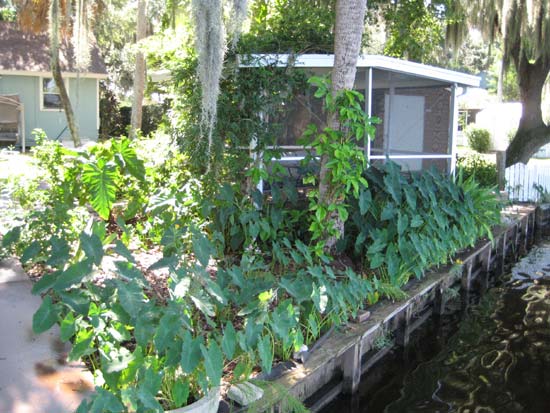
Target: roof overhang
[(385, 63), (86, 75)]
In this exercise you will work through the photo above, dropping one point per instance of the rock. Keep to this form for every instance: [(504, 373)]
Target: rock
[(245, 393), (297, 355), (362, 316)]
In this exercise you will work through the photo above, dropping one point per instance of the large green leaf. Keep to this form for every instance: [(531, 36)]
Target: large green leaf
[(127, 159), (213, 362), (365, 199), (59, 253), (81, 345), (105, 402), (67, 327), (149, 401), (45, 317), (229, 341), (265, 350), (31, 251), (202, 248), (100, 179), (167, 329), (11, 237), (73, 275), (131, 297), (180, 392), (91, 244), (45, 282), (130, 272), (190, 352), (123, 251)]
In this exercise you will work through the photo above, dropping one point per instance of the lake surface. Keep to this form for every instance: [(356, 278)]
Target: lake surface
[(496, 358)]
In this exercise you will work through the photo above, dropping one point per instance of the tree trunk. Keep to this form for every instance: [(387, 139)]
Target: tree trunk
[(65, 101), (55, 19), (532, 132), (139, 73), (348, 30)]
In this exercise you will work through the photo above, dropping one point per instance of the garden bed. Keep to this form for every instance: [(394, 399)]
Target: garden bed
[(167, 289), (341, 360)]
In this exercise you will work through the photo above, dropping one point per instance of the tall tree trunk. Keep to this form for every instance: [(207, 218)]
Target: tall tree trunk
[(65, 102), (55, 16), (532, 132), (348, 31), (139, 73), (500, 82)]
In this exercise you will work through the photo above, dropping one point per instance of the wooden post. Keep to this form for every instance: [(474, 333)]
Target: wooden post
[(485, 270), (404, 333), (501, 169), (352, 369), (466, 284)]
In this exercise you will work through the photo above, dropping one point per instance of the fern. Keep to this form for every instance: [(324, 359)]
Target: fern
[(100, 179)]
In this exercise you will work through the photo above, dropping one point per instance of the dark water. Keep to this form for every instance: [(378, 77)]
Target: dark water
[(497, 359)]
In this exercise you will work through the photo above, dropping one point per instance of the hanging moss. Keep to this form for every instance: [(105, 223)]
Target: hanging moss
[(210, 46), (238, 16), (81, 34)]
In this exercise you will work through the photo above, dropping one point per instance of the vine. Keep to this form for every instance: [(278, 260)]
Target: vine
[(346, 159)]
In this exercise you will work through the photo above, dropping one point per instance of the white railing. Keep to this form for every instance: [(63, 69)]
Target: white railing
[(520, 180)]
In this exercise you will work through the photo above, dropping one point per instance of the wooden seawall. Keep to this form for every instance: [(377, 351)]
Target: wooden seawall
[(338, 364)]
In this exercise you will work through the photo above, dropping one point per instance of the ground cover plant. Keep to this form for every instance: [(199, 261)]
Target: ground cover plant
[(243, 283)]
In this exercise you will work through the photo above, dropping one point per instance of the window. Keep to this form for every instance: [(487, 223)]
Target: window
[(51, 99)]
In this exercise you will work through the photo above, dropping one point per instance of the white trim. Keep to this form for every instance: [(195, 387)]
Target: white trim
[(423, 156), (368, 103), (98, 122), (49, 74), (41, 94), (390, 64), (453, 125)]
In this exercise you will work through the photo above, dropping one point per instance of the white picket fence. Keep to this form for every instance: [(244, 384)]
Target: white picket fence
[(520, 180)]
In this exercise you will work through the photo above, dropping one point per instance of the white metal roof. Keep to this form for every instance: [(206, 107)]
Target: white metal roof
[(365, 61)]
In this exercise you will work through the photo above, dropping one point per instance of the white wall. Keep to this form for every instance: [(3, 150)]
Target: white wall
[(499, 119)]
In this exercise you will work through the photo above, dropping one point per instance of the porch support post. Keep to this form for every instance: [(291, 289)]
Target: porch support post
[(22, 129), (257, 156), (368, 105), (387, 116), (453, 128)]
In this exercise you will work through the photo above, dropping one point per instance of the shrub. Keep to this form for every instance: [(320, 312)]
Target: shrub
[(479, 139), (482, 170)]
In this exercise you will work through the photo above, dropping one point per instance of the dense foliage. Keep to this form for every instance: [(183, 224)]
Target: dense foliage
[(245, 283), (401, 226), (251, 107), (479, 168)]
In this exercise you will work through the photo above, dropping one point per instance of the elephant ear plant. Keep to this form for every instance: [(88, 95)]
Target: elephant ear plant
[(145, 355)]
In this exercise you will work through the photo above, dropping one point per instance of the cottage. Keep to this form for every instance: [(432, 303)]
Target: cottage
[(29, 97), (416, 103)]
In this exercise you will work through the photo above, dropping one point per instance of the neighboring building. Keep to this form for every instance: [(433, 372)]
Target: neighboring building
[(471, 101), (26, 84), (416, 103)]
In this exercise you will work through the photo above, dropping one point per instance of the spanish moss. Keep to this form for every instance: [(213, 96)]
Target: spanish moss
[(523, 25), (81, 35), (238, 16), (210, 46)]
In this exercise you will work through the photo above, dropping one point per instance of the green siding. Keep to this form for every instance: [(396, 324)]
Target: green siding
[(53, 122)]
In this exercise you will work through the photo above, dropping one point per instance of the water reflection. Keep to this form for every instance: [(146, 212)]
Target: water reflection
[(498, 360)]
